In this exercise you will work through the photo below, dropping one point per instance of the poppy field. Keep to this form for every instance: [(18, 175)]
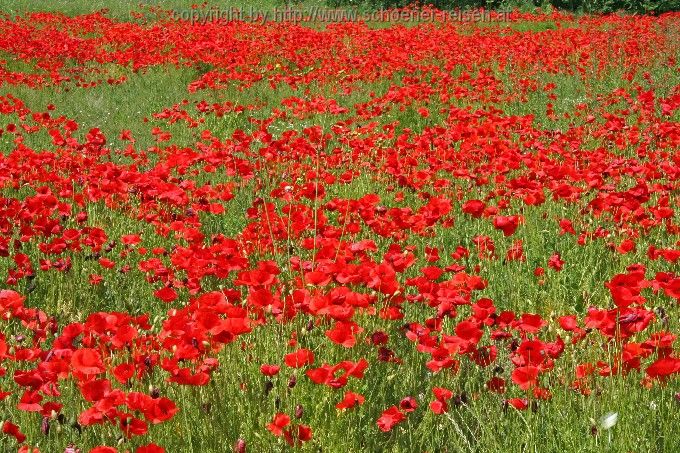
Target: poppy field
[(442, 236)]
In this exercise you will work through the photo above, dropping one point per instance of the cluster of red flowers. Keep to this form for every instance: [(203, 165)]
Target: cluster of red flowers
[(450, 159)]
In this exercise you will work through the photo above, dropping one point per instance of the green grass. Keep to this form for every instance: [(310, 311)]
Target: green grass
[(121, 9)]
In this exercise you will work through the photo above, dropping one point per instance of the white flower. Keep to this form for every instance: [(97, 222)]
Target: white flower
[(608, 420)]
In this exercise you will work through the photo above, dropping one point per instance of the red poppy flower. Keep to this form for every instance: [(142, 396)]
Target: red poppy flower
[(350, 400), (299, 358), (408, 404), (13, 430), (159, 410), (518, 403), (166, 294), (526, 376), (150, 448), (280, 421), (343, 333), (507, 224), (496, 384), (474, 207), (663, 368), (87, 361), (389, 418), (124, 372), (269, 370), (568, 323), (104, 449)]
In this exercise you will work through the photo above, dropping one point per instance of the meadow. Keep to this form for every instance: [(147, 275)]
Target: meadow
[(433, 236)]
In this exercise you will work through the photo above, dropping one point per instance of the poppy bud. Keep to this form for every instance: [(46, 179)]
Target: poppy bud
[(310, 325), (277, 403), (32, 285), (662, 315), (461, 399), (45, 426), (268, 386), (292, 381), (299, 411), (240, 446), (155, 393)]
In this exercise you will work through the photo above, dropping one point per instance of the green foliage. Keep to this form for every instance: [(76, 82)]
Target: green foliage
[(588, 6), (632, 6)]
